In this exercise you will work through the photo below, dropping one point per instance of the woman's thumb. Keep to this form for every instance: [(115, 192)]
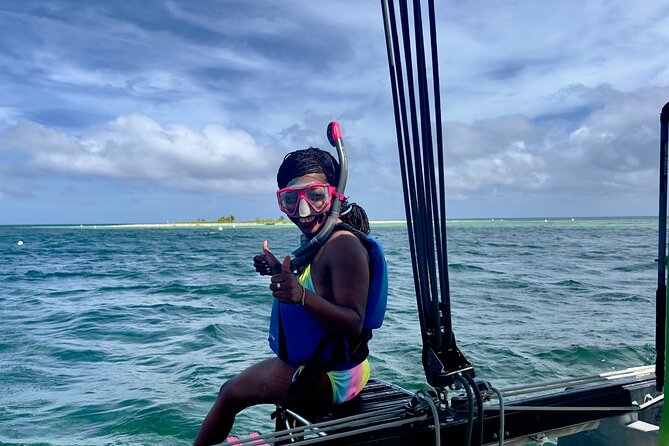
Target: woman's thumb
[(285, 266)]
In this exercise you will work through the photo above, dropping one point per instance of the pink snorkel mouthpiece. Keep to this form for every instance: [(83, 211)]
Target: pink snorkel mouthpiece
[(334, 133)]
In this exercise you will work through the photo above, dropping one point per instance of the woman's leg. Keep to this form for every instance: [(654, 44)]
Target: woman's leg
[(266, 382)]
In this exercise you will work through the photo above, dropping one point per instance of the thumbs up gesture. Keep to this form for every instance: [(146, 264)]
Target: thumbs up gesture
[(266, 263), (285, 285)]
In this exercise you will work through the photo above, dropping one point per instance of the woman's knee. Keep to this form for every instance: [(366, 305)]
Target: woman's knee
[(231, 397), (221, 391)]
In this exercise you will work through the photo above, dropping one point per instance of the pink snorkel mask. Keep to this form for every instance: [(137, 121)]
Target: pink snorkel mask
[(316, 196)]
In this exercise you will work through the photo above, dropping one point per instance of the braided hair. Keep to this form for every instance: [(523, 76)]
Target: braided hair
[(315, 160)]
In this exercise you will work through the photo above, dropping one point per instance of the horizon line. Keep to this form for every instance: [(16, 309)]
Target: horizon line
[(286, 222)]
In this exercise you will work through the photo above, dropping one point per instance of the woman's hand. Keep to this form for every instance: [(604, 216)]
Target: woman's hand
[(266, 263), (285, 285)]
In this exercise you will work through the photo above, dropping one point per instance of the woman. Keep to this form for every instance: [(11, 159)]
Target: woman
[(330, 295)]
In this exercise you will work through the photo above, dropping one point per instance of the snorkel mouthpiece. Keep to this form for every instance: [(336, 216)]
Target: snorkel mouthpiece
[(334, 133), (303, 253)]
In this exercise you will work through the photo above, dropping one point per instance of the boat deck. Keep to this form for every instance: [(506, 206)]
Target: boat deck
[(379, 415)]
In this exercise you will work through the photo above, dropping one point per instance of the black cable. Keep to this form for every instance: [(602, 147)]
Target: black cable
[(479, 407), (424, 248), (428, 160), (446, 293), (396, 78), (422, 173), (470, 408)]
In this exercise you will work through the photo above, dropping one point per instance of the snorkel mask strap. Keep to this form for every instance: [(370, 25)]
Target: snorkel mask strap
[(309, 247)]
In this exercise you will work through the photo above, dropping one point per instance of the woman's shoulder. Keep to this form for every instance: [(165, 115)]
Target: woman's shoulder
[(344, 242), (343, 236)]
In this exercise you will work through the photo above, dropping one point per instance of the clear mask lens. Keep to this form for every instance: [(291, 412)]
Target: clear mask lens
[(316, 197)]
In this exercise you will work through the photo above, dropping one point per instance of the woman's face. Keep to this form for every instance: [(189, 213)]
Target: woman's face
[(309, 221)]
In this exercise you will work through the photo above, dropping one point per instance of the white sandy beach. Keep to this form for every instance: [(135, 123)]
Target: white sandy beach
[(223, 225)]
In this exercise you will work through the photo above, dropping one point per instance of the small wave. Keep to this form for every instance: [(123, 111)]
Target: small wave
[(634, 268), (465, 267), (123, 288), (570, 283), (218, 332), (591, 357), (503, 245), (176, 288), (619, 297), (172, 288), (80, 355), (41, 275)]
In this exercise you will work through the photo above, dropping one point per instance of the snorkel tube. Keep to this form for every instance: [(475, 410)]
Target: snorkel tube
[(304, 252)]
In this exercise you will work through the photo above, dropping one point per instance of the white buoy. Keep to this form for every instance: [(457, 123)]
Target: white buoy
[(20, 243), (220, 228), (545, 221)]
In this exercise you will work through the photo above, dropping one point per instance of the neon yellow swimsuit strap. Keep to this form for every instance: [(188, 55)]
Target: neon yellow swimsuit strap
[(305, 279)]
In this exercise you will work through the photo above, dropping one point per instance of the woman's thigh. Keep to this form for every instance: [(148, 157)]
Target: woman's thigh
[(267, 382)]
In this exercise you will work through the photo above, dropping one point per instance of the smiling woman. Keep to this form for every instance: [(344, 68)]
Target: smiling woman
[(326, 304)]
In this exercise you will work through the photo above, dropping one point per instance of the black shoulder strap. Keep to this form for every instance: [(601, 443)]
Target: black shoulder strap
[(283, 348)]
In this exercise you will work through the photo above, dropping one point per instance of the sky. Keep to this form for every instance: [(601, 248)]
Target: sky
[(164, 111)]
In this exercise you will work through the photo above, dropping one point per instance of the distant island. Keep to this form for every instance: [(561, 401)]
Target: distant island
[(232, 220), (229, 221)]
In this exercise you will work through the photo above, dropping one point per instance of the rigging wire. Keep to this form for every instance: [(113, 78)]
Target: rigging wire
[(420, 147), (470, 408), (419, 210), (370, 421), (632, 372), (435, 415), (479, 406), (401, 128), (427, 160), (416, 101)]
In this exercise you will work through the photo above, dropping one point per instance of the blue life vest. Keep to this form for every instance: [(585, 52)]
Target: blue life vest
[(303, 335)]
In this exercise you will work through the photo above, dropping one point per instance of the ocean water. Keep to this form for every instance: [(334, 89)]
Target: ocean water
[(124, 335)]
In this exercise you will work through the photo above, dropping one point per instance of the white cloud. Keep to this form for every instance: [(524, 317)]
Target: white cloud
[(613, 149), (8, 115), (137, 147)]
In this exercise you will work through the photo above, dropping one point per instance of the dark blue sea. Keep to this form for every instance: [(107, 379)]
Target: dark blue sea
[(123, 336)]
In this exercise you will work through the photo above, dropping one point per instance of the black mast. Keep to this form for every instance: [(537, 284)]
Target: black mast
[(661, 293)]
